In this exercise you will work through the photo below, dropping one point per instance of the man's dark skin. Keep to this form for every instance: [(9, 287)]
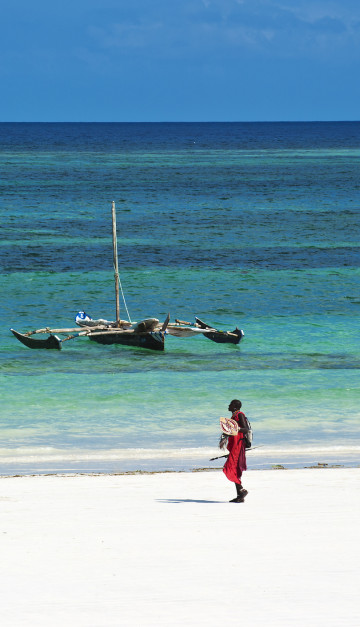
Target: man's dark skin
[(234, 406)]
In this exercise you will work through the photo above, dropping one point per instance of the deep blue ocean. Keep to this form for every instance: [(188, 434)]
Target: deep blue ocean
[(253, 225)]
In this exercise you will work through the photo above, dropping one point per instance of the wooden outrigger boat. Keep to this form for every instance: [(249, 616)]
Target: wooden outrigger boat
[(145, 334), (148, 333), (130, 337)]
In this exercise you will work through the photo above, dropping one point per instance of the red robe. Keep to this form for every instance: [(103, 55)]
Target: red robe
[(236, 462)]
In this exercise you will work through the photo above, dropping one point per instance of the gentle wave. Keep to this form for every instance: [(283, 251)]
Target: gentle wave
[(40, 459), (44, 454)]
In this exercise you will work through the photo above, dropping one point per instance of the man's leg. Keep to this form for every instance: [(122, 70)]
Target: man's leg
[(240, 494)]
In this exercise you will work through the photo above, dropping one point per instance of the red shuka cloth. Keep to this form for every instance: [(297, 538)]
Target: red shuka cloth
[(236, 462)]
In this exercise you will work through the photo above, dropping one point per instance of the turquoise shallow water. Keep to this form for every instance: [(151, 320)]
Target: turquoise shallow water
[(248, 225)]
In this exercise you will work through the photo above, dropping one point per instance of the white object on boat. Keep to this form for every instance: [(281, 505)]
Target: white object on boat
[(83, 320)]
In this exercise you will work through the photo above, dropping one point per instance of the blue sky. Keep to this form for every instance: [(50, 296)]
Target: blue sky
[(179, 60)]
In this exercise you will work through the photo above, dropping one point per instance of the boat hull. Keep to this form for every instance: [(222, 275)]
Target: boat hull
[(221, 337), (152, 341), (225, 337)]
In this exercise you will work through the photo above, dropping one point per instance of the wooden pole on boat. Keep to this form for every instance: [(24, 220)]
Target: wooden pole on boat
[(116, 264)]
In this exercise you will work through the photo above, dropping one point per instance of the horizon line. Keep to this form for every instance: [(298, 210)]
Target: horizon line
[(179, 121)]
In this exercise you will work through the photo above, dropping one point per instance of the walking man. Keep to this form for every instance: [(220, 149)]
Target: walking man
[(236, 462)]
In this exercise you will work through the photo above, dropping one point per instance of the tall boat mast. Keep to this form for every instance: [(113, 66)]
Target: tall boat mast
[(116, 264)]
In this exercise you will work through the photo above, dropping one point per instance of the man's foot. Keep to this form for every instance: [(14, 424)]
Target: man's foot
[(239, 499), (243, 492)]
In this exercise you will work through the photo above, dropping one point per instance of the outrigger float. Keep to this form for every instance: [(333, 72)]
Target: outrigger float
[(148, 333)]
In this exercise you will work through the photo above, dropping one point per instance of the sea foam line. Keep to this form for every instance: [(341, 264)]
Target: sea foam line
[(27, 455)]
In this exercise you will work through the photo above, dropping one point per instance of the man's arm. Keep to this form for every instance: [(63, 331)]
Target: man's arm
[(243, 428)]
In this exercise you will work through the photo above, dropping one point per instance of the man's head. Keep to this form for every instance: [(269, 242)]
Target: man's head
[(235, 405)]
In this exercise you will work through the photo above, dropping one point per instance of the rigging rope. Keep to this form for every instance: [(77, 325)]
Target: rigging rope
[(123, 297)]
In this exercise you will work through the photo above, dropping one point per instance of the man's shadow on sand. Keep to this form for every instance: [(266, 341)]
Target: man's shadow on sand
[(186, 501)]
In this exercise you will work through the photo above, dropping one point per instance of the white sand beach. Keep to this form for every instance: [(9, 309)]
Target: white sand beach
[(169, 549)]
